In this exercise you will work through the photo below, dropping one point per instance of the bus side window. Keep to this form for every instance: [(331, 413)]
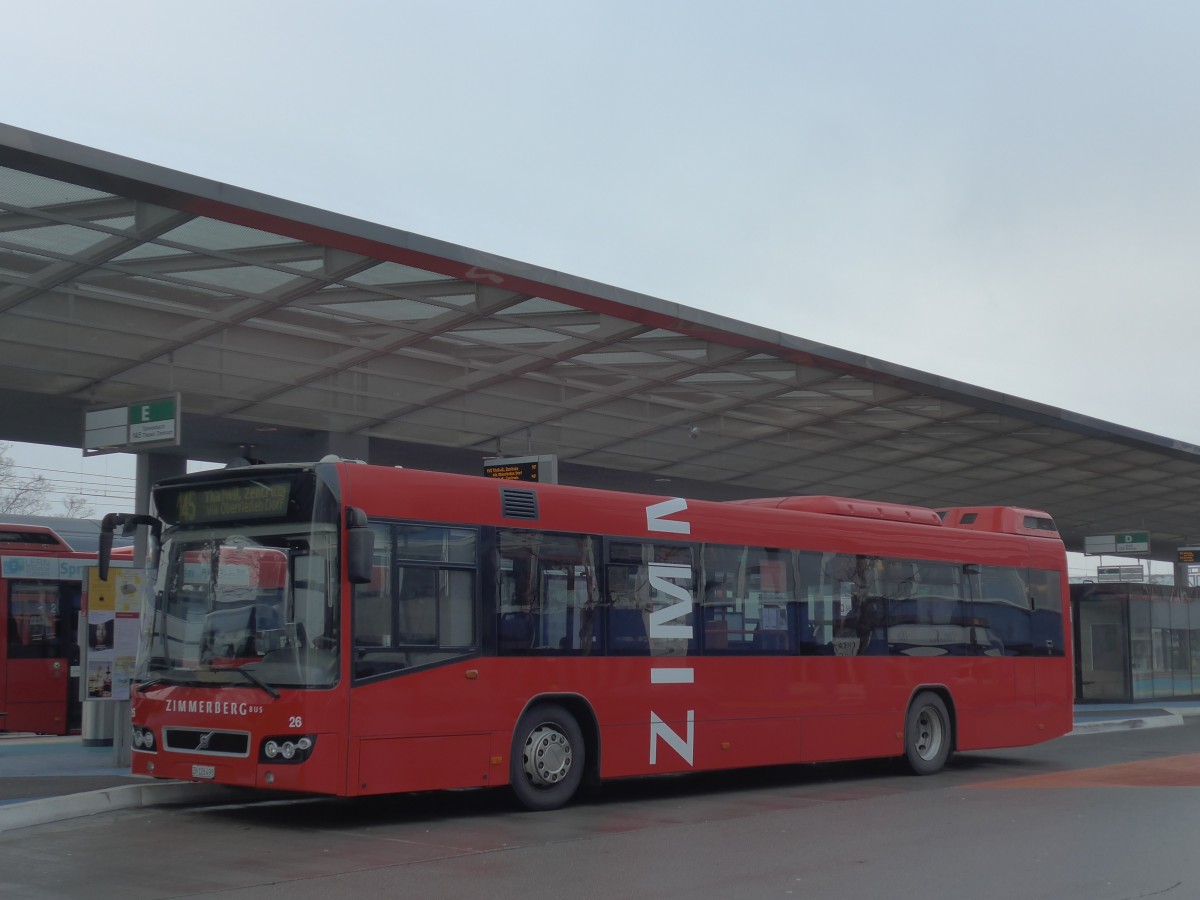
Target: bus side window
[(373, 625), (1045, 590), (723, 598), (547, 592), (650, 582), (417, 593), (747, 600), (1004, 610), (852, 606), (929, 613), (419, 606), (805, 617), (434, 590)]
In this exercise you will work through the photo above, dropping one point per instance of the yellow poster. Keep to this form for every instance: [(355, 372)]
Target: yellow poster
[(102, 595), (121, 593)]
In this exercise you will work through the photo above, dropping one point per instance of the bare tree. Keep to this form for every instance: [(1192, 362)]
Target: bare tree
[(20, 496), (27, 496), (76, 507)]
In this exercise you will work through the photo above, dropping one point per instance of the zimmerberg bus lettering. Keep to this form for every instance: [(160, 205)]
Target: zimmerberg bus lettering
[(217, 707), (663, 578)]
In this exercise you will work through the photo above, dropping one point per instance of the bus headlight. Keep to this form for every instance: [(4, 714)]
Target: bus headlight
[(287, 748), (143, 739)]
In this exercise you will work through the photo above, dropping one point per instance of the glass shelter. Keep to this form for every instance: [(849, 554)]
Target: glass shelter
[(1136, 642)]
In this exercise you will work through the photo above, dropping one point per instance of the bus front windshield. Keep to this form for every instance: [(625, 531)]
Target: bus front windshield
[(256, 606)]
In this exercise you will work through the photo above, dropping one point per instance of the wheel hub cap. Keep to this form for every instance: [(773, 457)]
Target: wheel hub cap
[(929, 735), (547, 756)]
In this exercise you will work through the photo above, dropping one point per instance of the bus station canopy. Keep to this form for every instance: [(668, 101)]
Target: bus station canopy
[(287, 332)]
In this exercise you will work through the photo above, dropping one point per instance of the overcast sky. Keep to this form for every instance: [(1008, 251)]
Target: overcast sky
[(1007, 194)]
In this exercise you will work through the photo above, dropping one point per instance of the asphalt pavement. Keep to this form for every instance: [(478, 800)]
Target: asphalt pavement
[(47, 779)]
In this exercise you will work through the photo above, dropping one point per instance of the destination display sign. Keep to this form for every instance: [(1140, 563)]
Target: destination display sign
[(263, 498)]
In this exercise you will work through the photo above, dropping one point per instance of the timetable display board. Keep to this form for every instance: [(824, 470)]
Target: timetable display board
[(543, 469)]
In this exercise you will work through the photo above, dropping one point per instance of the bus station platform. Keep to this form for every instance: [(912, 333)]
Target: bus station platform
[(49, 779)]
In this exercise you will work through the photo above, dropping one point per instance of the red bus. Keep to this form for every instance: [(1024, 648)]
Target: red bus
[(40, 577), (397, 630)]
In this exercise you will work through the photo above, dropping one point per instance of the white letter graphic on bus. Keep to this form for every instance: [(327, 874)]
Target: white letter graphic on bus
[(656, 522), (660, 729), (659, 573), (663, 578)]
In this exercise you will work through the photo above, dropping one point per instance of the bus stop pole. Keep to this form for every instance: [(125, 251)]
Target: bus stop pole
[(96, 724), (121, 733)]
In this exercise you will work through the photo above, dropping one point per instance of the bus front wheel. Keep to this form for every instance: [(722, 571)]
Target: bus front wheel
[(547, 759), (927, 737)]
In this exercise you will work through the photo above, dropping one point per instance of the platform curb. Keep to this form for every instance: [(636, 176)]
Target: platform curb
[(1163, 719), (44, 810)]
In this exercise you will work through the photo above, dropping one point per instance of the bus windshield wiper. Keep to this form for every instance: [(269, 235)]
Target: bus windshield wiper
[(257, 682), (158, 680)]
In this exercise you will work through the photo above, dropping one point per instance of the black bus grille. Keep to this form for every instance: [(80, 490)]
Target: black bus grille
[(197, 740)]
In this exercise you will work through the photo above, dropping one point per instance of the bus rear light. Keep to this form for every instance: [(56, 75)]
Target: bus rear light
[(287, 749)]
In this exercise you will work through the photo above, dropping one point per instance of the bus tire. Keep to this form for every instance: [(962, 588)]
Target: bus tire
[(548, 757), (927, 734)]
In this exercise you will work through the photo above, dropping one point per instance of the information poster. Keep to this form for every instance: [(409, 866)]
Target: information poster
[(112, 620)]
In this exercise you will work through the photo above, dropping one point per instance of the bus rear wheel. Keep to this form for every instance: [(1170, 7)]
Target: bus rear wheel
[(927, 736), (548, 757)]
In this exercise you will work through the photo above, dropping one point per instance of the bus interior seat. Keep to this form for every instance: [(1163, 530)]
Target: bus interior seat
[(627, 631), (716, 633), (516, 631)]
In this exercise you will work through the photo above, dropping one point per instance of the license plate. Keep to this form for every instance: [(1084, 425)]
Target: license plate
[(204, 771)]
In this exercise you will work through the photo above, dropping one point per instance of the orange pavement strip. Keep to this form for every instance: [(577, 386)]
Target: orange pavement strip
[(1170, 771)]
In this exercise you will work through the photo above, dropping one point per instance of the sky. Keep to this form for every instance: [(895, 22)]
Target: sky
[(1006, 194)]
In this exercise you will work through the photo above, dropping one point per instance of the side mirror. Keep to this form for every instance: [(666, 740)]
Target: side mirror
[(105, 554), (360, 547), (128, 524)]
